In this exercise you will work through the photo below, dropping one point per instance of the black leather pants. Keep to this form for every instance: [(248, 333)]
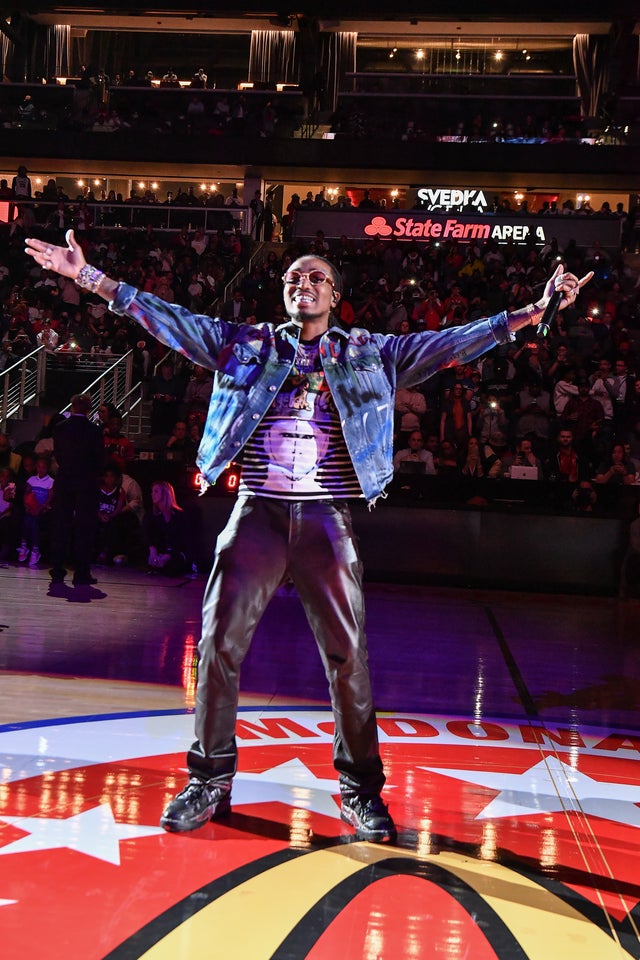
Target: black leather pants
[(313, 543)]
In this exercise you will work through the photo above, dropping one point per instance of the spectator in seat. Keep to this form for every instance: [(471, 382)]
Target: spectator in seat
[(621, 383), (395, 312), (582, 413), (166, 533), (117, 446), (525, 457), (447, 460), (481, 461), (455, 420), (565, 463), (616, 468), (414, 458), (170, 79), (198, 393), (235, 310), (602, 388), (344, 313), (491, 421), (117, 521), (37, 499), (166, 393), (180, 446), (133, 496), (532, 415), (565, 388), (584, 497), (410, 407), (21, 184)]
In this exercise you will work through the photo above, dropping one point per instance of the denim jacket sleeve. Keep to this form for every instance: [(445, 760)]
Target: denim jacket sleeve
[(196, 336), (417, 356)]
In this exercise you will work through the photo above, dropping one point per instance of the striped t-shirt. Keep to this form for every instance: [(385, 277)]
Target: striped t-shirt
[(298, 452)]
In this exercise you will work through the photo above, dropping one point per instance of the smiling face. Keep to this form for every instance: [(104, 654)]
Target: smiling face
[(311, 303)]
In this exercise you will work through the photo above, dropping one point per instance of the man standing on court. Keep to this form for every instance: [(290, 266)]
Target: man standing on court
[(310, 408), (78, 447)]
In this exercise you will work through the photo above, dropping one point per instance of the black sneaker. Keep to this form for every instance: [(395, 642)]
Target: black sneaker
[(194, 806), (370, 817)]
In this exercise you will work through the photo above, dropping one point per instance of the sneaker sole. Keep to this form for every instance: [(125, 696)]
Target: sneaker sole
[(373, 836), (223, 809)]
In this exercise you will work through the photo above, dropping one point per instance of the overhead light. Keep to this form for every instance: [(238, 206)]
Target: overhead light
[(498, 55), (420, 54), (154, 185)]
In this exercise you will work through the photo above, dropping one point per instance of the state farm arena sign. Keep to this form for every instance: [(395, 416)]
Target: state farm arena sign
[(424, 226)]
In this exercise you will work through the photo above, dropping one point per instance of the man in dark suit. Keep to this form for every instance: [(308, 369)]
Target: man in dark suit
[(237, 309), (78, 447)]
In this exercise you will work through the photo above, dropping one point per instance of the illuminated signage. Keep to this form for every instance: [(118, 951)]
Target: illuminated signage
[(451, 228), (448, 198), (440, 227)]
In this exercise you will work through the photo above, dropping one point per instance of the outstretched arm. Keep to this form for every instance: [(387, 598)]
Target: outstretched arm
[(416, 356), (200, 338), (70, 262)]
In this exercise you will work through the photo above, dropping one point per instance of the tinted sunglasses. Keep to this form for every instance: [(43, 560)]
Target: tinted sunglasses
[(315, 277)]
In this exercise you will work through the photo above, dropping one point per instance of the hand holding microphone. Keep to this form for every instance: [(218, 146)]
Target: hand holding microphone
[(560, 292), (549, 315)]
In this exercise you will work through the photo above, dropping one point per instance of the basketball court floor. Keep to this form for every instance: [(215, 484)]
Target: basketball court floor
[(510, 730)]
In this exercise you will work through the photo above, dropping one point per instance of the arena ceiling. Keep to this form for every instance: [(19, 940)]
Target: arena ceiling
[(385, 16)]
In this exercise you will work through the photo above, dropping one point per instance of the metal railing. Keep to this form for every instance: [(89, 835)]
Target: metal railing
[(242, 273), (112, 215), (132, 410), (20, 384), (112, 386)]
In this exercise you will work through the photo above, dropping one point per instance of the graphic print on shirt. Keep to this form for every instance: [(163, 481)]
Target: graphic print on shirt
[(298, 451)]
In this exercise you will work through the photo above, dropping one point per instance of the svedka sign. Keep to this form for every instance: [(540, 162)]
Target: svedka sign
[(448, 198), (463, 228)]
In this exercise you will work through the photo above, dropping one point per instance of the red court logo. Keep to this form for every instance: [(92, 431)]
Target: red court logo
[(508, 834)]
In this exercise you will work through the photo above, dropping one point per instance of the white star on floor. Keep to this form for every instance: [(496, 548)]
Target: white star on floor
[(551, 786), (292, 783), (93, 832)]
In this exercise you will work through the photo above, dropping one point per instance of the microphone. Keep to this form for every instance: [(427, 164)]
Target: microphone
[(549, 314)]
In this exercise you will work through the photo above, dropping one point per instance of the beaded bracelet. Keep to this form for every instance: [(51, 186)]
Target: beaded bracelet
[(89, 278)]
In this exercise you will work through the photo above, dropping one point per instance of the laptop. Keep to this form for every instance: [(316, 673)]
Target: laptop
[(524, 473)]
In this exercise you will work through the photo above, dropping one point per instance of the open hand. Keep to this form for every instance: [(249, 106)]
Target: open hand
[(67, 260)]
